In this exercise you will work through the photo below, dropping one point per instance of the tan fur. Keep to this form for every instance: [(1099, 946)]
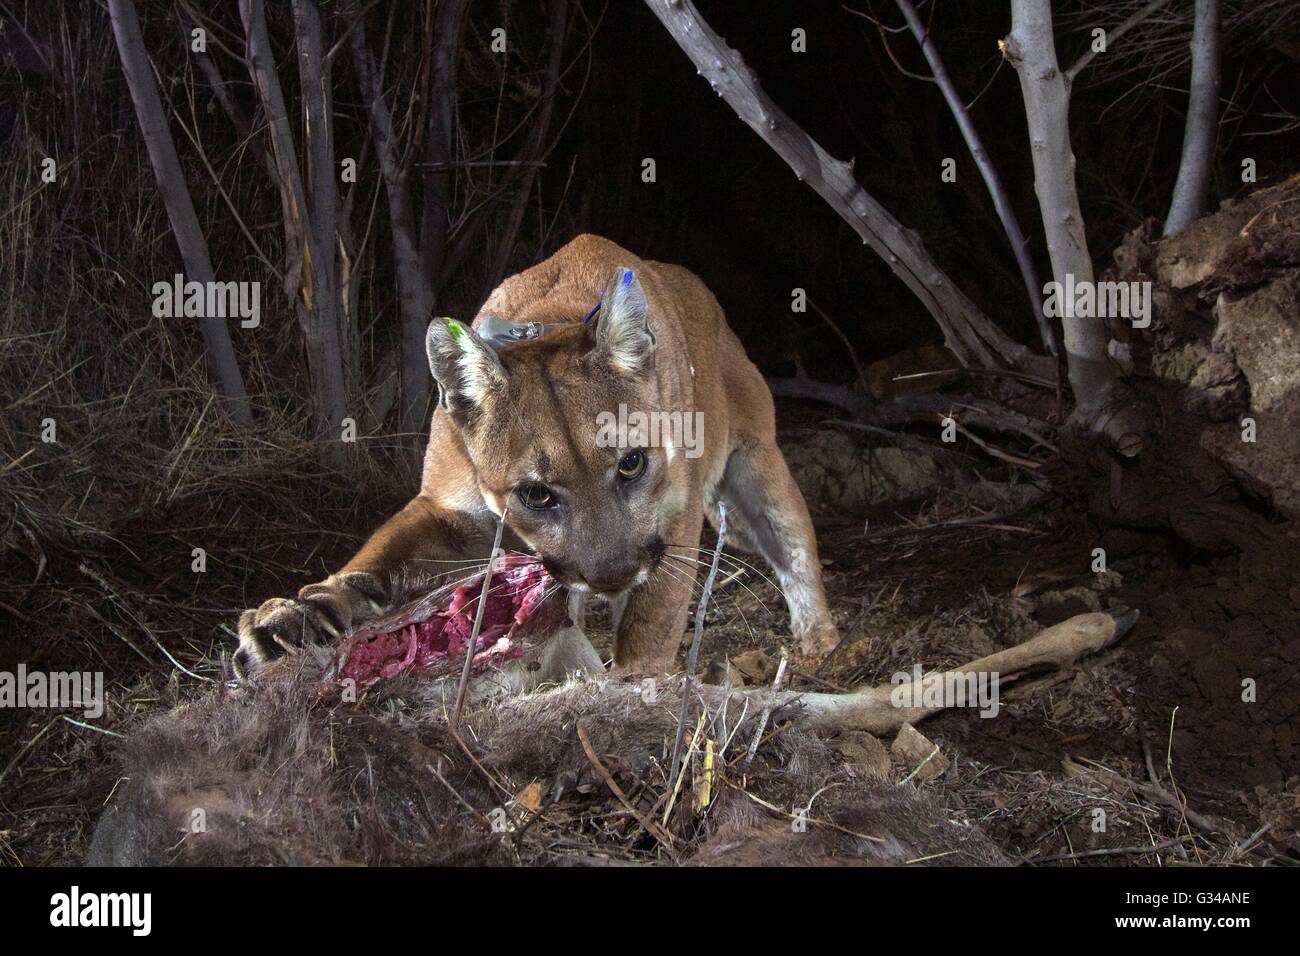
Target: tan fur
[(527, 413)]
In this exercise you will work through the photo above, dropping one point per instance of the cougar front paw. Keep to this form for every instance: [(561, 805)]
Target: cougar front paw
[(818, 638), (322, 612)]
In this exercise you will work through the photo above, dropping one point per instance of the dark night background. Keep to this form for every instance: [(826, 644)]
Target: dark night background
[(729, 208)]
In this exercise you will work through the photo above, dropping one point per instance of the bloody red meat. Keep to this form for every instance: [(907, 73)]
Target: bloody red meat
[(434, 630)]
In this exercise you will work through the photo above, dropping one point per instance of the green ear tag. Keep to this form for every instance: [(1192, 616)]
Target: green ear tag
[(456, 331)]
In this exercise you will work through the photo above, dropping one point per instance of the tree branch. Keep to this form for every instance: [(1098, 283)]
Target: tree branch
[(179, 204), (1191, 190), (969, 334), (1112, 36), (1101, 404), (414, 286), (989, 173)]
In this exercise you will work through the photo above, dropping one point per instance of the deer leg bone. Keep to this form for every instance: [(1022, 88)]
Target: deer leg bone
[(873, 709)]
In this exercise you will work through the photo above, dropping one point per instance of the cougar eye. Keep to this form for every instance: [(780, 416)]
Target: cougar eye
[(632, 465), (536, 497)]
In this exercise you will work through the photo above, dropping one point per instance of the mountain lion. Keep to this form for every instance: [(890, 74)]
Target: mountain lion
[(590, 333)]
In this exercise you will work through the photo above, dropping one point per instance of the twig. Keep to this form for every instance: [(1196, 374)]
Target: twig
[(1112, 851), (26, 747), (681, 775), (988, 172), (694, 656), (932, 755), (767, 708), (101, 730), (992, 450), (1241, 848), (91, 573), (650, 826), (848, 346), (1112, 36), (478, 620), (821, 823), (477, 164), (454, 792), (1176, 800)]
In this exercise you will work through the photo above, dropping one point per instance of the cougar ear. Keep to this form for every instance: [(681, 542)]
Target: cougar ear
[(623, 336), (464, 366)]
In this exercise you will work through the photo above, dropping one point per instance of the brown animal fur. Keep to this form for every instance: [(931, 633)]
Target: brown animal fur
[(526, 416), (282, 778)]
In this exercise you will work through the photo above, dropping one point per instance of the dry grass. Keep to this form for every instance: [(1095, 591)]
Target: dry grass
[(98, 526)]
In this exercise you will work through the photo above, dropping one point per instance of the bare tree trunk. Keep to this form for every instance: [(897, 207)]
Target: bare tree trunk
[(180, 207), (435, 225), (414, 286), (1100, 400), (536, 148), (302, 258), (968, 333), (1192, 188), (1019, 242), (315, 76)]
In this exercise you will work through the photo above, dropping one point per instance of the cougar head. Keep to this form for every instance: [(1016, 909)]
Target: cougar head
[(540, 419)]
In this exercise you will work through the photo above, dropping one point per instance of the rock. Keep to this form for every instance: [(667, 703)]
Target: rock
[(837, 473), (1263, 331), (915, 751), (1226, 336)]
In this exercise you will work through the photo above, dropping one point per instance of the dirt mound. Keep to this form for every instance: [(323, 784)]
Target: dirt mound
[(1224, 343), (1226, 656)]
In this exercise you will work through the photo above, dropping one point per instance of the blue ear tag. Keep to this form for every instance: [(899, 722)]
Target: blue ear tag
[(594, 310)]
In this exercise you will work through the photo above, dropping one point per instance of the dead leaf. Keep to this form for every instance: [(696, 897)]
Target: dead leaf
[(530, 798), (754, 667)]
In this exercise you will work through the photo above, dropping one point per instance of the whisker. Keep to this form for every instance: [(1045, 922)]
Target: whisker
[(551, 592), (680, 575), (446, 560), (728, 556), (737, 562), (698, 589), (703, 564)]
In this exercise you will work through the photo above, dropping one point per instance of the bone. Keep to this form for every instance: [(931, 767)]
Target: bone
[(871, 709)]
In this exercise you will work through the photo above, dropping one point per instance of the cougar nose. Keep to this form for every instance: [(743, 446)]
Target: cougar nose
[(611, 577)]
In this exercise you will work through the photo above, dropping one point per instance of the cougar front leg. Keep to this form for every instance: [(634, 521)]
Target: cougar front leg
[(416, 542), (654, 618), (768, 513)]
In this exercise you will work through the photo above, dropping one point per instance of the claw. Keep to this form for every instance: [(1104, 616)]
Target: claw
[(325, 625), (290, 649)]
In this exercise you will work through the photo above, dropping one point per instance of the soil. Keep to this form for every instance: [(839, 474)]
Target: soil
[(907, 584), (1170, 706), (904, 593)]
